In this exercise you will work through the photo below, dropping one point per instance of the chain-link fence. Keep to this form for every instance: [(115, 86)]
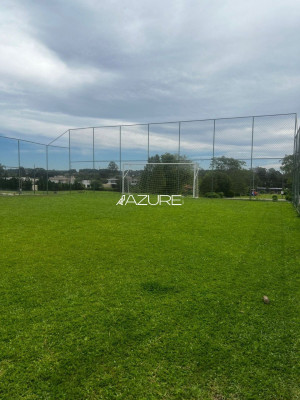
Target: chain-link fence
[(243, 157), (296, 172), (28, 166)]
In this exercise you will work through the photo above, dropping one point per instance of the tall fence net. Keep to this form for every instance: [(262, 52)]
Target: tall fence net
[(160, 178), (296, 172), (28, 166), (255, 157)]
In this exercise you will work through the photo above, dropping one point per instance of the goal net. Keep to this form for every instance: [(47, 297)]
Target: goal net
[(160, 178)]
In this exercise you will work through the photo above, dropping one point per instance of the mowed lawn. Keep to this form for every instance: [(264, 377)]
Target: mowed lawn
[(100, 301)]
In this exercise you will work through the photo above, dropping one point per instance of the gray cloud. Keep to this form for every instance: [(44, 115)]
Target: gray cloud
[(136, 61)]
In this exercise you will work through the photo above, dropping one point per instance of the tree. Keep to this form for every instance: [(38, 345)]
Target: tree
[(96, 184), (235, 170), (1, 170), (221, 183), (287, 167), (287, 164), (77, 185), (9, 184), (166, 178), (261, 176), (274, 178), (226, 163), (27, 184), (112, 166), (22, 171), (240, 181)]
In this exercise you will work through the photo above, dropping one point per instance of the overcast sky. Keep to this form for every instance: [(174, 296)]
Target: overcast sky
[(91, 62)]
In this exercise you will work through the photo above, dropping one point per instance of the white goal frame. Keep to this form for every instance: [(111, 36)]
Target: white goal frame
[(126, 170)]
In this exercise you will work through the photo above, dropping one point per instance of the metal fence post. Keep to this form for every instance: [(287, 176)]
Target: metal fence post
[(47, 170), (120, 148), (213, 157), (19, 166), (178, 157), (94, 172), (296, 173), (195, 182), (70, 161), (179, 138), (120, 154), (294, 178), (251, 162), (148, 153), (34, 179)]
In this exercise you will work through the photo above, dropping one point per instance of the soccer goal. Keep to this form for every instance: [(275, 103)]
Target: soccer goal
[(160, 178)]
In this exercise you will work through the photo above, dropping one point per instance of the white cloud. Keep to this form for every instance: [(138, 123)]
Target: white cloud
[(43, 126), (25, 60), (84, 62)]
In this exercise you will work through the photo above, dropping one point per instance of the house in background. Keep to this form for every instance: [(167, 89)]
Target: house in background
[(86, 183), (132, 180), (111, 183), (62, 179), (272, 190)]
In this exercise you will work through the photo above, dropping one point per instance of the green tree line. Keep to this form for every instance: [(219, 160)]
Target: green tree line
[(225, 175)]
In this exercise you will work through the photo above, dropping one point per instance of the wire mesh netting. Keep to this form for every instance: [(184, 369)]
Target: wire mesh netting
[(296, 172), (160, 178), (255, 157), (134, 143)]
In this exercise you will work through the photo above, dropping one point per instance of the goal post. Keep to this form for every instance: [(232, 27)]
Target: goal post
[(160, 178)]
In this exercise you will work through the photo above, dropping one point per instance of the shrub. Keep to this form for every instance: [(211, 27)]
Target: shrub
[(188, 190), (221, 194), (212, 195), (288, 197), (221, 182), (274, 197), (230, 193)]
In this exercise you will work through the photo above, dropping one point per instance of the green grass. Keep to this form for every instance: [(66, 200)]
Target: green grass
[(37, 193), (106, 302), (267, 196)]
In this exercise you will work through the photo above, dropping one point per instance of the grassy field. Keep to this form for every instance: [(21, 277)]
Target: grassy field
[(106, 302)]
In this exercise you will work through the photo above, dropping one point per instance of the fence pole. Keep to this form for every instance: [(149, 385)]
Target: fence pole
[(298, 172), (120, 148), (179, 138), (195, 182), (178, 158), (19, 166), (120, 151), (148, 155), (94, 159), (294, 179), (69, 161), (213, 157), (34, 179), (47, 170), (251, 162)]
